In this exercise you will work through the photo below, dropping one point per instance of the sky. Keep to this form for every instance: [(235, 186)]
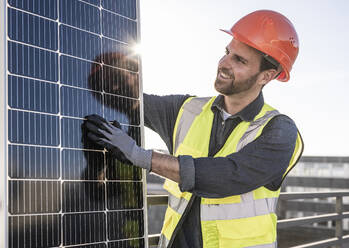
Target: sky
[(181, 45)]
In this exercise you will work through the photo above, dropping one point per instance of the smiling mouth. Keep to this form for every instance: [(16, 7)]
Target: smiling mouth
[(225, 75)]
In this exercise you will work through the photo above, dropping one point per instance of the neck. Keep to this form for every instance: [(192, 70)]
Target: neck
[(235, 103)]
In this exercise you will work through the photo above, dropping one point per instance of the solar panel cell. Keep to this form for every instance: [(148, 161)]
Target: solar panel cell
[(68, 59), (33, 162)]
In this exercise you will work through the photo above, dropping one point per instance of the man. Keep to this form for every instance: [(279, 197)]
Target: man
[(230, 152)]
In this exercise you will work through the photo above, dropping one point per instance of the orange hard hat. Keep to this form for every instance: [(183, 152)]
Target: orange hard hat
[(271, 33)]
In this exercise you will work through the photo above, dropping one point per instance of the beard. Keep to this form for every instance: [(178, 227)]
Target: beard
[(234, 87)]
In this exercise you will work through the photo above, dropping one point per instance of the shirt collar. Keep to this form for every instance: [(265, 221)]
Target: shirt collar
[(246, 114)]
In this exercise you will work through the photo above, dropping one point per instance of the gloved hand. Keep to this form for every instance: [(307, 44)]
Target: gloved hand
[(114, 140)]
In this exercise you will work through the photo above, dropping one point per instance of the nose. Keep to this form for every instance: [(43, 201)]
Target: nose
[(224, 62)]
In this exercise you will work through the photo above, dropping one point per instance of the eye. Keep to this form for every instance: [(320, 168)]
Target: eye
[(240, 60), (226, 51)]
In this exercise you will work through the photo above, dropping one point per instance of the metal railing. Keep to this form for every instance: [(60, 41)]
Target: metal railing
[(338, 241)]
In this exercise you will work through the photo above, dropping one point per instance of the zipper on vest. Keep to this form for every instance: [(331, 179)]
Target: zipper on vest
[(180, 222)]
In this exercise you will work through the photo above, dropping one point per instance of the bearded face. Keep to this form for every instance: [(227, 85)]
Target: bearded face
[(226, 84), (238, 69)]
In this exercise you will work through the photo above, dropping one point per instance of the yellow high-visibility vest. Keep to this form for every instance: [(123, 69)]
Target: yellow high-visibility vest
[(246, 220)]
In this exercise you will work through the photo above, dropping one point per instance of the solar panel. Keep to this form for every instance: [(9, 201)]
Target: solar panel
[(63, 60)]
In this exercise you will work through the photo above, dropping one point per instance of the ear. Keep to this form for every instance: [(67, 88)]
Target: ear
[(266, 76)]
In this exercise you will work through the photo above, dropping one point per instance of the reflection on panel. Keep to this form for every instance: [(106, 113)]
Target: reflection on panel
[(124, 110), (79, 103), (34, 231), (68, 59), (83, 196), (118, 81), (120, 171), (80, 73), (82, 165), (124, 195), (29, 94), (118, 27), (33, 162), (125, 224), (84, 228), (123, 7), (119, 55), (132, 243)]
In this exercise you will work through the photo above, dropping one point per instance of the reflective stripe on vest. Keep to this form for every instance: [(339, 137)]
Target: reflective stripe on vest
[(246, 220)]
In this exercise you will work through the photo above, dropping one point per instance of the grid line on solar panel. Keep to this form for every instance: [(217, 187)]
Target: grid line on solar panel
[(92, 2), (88, 15), (25, 121), (33, 162), (118, 27), (47, 226), (127, 243), (95, 245), (28, 197), (30, 94), (32, 57), (46, 8), (91, 228), (31, 29), (123, 7)]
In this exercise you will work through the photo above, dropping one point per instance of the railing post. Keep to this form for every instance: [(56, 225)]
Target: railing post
[(339, 222)]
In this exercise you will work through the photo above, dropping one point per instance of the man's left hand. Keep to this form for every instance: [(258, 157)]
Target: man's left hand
[(115, 139)]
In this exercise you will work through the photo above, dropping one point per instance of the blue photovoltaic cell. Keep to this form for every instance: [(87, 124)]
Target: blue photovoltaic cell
[(80, 73), (32, 30), (29, 94), (124, 110), (79, 43), (118, 81), (40, 231), (123, 7), (119, 28), (79, 103), (89, 17), (125, 224), (119, 55), (72, 136), (84, 228), (47, 8), (32, 128), (124, 195), (32, 62), (68, 59), (33, 162), (45, 197), (82, 165), (76, 195)]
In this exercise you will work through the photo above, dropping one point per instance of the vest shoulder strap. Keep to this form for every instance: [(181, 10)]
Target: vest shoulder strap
[(191, 108)]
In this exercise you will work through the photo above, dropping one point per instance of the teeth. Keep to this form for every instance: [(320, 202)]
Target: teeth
[(224, 75)]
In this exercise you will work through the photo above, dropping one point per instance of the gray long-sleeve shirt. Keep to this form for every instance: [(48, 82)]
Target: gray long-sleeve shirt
[(260, 163)]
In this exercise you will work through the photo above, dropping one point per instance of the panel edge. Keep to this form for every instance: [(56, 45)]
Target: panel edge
[(3, 126)]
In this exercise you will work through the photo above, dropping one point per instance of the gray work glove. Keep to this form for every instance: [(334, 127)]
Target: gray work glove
[(115, 140)]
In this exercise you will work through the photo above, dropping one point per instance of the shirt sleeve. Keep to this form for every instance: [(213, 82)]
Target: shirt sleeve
[(160, 114), (260, 163)]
